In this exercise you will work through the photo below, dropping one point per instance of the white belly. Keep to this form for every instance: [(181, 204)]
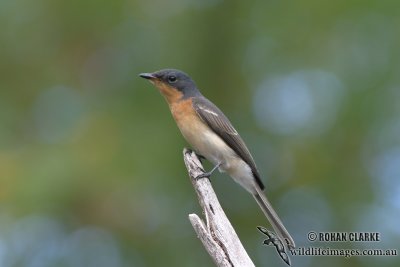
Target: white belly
[(214, 149)]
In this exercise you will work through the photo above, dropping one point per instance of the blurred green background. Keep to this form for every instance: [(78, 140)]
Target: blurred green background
[(91, 169)]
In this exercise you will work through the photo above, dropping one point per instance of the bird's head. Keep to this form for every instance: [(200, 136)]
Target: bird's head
[(173, 84)]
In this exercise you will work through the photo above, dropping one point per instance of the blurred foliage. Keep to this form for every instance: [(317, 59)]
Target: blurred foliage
[(91, 170)]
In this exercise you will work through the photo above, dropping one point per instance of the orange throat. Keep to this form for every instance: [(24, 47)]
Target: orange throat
[(171, 94)]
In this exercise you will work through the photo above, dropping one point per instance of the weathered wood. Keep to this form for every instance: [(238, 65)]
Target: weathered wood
[(216, 232)]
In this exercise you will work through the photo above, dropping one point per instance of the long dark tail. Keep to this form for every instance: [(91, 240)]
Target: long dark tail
[(273, 218)]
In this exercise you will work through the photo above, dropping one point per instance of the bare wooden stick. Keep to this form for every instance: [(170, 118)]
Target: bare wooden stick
[(216, 233)]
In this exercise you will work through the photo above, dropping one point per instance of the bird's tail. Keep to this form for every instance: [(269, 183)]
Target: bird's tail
[(273, 218)]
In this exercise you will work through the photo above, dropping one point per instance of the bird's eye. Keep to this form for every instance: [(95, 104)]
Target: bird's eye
[(172, 79)]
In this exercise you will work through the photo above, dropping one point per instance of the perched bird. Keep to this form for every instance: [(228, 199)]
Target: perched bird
[(212, 136)]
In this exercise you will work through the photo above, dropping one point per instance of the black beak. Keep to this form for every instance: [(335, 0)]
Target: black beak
[(147, 76)]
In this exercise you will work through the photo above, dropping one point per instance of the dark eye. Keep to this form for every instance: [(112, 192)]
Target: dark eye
[(172, 78)]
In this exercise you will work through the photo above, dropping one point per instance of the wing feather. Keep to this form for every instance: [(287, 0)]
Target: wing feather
[(221, 125)]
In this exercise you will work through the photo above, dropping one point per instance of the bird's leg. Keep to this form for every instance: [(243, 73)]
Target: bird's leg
[(208, 174)]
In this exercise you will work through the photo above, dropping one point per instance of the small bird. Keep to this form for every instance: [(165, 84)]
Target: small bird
[(212, 136)]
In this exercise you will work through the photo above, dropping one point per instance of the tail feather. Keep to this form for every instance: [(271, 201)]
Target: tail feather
[(273, 218)]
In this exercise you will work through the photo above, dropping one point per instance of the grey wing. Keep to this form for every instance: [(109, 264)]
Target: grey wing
[(221, 125)]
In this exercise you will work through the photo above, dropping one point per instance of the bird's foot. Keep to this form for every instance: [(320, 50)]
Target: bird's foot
[(208, 174)]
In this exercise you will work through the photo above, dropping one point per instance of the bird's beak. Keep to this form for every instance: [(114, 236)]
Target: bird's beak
[(148, 76)]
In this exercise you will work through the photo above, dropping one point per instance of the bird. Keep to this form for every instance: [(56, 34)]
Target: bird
[(212, 136)]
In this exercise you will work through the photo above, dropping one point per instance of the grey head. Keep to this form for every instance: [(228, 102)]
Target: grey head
[(174, 78)]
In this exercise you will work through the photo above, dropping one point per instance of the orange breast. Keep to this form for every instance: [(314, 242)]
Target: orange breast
[(184, 115), (198, 134), (188, 122)]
